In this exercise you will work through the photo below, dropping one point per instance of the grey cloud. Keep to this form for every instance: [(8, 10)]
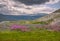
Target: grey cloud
[(2, 5), (28, 8), (17, 8), (32, 2)]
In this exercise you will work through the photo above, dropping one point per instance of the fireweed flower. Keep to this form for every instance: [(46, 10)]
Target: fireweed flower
[(20, 27)]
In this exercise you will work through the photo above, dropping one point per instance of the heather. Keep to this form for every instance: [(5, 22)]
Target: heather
[(19, 28)]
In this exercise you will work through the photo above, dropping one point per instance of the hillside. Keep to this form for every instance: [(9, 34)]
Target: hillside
[(48, 19), (56, 18), (54, 15), (57, 11)]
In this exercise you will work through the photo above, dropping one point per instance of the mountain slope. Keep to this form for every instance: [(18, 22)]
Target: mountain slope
[(50, 22), (54, 15), (56, 18)]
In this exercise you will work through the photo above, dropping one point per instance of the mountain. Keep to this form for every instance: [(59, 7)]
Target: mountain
[(55, 24), (20, 17), (1, 17), (54, 15), (57, 11), (50, 22)]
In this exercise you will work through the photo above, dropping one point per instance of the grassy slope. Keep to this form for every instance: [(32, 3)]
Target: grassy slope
[(37, 35)]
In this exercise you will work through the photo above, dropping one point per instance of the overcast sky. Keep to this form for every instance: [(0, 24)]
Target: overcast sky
[(23, 7)]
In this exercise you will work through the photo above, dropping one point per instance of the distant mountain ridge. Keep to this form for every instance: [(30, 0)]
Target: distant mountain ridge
[(20, 17)]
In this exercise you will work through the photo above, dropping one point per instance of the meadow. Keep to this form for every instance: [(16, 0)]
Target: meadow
[(36, 35), (15, 31)]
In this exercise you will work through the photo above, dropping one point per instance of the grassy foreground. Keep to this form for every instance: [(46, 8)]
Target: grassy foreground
[(37, 35)]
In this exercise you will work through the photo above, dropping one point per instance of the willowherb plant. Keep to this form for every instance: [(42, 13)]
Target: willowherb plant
[(20, 27)]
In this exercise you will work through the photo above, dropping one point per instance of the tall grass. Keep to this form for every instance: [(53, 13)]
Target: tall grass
[(36, 35)]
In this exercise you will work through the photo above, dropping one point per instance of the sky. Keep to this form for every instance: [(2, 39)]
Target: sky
[(24, 7)]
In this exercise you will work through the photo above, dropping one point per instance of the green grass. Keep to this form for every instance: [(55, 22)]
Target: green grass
[(42, 22), (39, 23), (36, 35)]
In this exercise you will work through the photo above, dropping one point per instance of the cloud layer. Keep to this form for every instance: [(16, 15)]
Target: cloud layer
[(32, 2), (21, 7), (52, 1)]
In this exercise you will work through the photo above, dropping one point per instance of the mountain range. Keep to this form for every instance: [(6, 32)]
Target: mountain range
[(20, 17)]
